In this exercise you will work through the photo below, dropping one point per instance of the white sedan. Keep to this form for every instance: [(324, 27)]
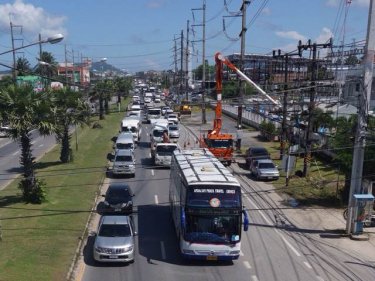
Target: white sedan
[(173, 118)]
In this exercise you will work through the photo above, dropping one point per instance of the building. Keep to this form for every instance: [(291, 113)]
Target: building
[(77, 73)]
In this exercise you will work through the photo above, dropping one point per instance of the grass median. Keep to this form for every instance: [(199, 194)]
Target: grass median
[(39, 241)]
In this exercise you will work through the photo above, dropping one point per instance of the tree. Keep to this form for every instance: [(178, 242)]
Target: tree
[(48, 68), (23, 66), (122, 86), (69, 109), (25, 111), (198, 72), (352, 60)]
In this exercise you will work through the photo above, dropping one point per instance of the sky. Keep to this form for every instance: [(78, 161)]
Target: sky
[(140, 35)]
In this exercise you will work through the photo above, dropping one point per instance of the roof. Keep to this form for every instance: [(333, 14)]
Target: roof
[(124, 152), (115, 219), (130, 121), (200, 166), (118, 185)]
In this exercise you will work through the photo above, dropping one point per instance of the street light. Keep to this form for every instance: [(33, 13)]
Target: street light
[(52, 39)]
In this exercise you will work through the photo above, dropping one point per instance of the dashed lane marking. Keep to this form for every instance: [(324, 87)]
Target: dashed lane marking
[(15, 153), (152, 172), (247, 264), (307, 265), (255, 278), (156, 199), (41, 145)]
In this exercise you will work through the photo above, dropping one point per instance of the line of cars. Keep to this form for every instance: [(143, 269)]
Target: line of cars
[(114, 239), (259, 162)]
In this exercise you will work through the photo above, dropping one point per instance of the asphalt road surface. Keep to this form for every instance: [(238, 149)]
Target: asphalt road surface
[(270, 251)]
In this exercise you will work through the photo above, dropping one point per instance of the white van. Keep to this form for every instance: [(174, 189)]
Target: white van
[(124, 141), (163, 152), (133, 125)]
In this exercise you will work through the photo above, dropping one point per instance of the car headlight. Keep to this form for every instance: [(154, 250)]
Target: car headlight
[(128, 248), (131, 166), (124, 205)]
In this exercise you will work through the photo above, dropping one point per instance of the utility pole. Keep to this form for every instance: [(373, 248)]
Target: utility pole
[(175, 61), (181, 66), (360, 136), (284, 127), (66, 66), (187, 62), (308, 131), (14, 54), (204, 121), (242, 84), (203, 85)]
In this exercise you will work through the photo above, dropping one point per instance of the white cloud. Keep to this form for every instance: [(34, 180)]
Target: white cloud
[(33, 19), (324, 35), (266, 11), (155, 4), (290, 35)]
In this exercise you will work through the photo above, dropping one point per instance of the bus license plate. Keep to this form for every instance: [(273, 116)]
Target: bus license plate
[(212, 258)]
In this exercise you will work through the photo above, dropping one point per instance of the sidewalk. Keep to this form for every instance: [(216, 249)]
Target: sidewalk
[(325, 224)]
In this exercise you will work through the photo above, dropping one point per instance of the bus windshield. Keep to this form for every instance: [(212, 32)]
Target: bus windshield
[(212, 229), (213, 196)]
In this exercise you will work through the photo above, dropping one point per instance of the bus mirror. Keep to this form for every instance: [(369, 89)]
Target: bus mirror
[(245, 221)]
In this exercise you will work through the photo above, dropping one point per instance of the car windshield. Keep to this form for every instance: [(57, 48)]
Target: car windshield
[(157, 133), (266, 166), (114, 230), (165, 149), (124, 145), (259, 151), (212, 229), (115, 196), (124, 158), (154, 111)]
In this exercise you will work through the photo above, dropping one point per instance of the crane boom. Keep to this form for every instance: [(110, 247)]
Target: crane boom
[(219, 56)]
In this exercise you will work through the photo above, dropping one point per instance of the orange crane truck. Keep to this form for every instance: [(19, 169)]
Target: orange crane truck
[(221, 144)]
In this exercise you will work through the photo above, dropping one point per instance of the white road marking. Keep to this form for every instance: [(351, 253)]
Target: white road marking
[(254, 277), (156, 199), (152, 172), (15, 153), (163, 255), (33, 142), (288, 244), (307, 265), (247, 264), (241, 254), (41, 145), (320, 278), (150, 155)]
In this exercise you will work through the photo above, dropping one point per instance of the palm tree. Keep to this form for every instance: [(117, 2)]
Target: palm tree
[(26, 111), (69, 109), (23, 66), (49, 67)]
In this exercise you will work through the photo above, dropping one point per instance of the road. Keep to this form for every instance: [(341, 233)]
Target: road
[(272, 249), (10, 152)]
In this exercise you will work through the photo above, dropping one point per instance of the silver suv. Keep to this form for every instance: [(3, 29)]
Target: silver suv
[(114, 241), (124, 162)]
